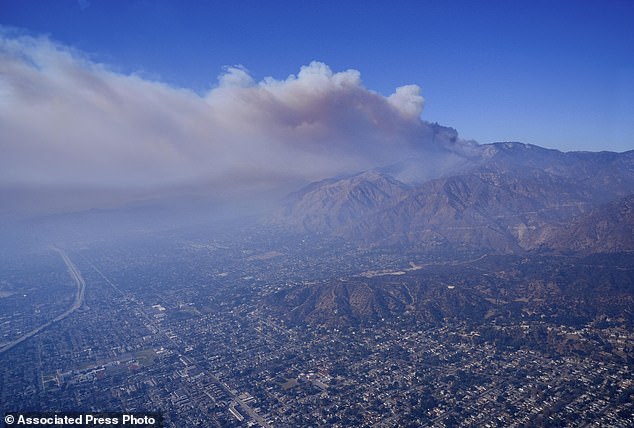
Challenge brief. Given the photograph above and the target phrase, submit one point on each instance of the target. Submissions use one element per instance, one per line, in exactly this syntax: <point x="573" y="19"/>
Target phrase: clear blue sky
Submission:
<point x="554" y="73"/>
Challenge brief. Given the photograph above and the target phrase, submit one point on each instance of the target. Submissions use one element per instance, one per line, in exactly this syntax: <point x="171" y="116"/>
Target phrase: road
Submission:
<point x="180" y="344"/>
<point x="79" y="300"/>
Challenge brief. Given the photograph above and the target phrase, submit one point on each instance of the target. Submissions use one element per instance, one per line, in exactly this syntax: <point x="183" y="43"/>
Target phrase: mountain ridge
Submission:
<point x="509" y="197"/>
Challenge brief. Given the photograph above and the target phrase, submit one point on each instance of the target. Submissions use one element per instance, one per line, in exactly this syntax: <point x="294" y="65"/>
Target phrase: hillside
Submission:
<point x="509" y="197"/>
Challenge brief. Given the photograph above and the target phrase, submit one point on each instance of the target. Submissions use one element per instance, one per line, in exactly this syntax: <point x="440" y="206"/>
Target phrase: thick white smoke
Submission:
<point x="67" y="121"/>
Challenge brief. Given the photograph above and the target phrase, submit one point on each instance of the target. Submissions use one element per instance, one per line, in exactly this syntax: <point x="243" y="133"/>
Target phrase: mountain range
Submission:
<point x="510" y="232"/>
<point x="501" y="197"/>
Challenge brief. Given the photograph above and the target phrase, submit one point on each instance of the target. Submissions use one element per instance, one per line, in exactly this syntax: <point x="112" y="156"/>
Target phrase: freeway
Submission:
<point x="77" y="302"/>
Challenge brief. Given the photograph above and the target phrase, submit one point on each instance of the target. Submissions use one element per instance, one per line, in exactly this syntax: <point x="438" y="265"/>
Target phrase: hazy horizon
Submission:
<point x="199" y="121"/>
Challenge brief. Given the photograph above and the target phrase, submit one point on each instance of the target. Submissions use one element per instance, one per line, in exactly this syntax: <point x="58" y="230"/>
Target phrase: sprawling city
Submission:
<point x="192" y="329"/>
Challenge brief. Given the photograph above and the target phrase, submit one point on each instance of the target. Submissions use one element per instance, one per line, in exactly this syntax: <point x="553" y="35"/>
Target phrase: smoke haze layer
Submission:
<point x="73" y="126"/>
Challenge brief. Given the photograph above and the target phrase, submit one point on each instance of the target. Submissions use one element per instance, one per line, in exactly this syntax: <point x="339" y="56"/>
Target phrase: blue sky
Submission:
<point x="553" y="73"/>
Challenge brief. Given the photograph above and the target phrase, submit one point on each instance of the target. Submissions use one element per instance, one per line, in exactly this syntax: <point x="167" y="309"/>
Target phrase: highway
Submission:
<point x="79" y="300"/>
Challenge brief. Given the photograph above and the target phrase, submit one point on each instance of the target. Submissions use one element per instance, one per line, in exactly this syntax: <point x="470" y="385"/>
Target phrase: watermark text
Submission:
<point x="80" y="420"/>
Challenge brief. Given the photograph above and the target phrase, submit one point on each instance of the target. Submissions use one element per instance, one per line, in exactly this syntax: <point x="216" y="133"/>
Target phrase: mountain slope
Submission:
<point x="332" y="205"/>
<point x="563" y="289"/>
<point x="609" y="228"/>
<point x="510" y="197"/>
